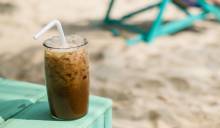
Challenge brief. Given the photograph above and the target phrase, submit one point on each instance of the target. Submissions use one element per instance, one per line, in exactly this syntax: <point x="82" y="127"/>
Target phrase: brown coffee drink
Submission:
<point x="67" y="77"/>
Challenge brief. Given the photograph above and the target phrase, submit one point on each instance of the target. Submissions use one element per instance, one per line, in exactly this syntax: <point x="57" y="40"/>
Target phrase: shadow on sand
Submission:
<point x="98" y="26"/>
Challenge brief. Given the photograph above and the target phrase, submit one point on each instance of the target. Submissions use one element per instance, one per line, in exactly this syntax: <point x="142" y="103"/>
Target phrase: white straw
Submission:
<point x="59" y="28"/>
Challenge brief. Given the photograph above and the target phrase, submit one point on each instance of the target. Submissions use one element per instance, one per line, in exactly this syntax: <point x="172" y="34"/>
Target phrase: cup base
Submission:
<point x="62" y="119"/>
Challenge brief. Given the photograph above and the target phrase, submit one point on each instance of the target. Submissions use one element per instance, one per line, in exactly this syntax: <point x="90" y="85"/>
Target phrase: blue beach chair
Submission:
<point x="158" y="28"/>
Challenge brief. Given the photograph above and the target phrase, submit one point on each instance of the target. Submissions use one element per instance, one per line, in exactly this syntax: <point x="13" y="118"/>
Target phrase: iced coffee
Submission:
<point x="67" y="77"/>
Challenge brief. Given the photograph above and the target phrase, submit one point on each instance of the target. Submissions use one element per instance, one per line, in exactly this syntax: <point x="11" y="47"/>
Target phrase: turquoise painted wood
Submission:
<point x="158" y="28"/>
<point x="38" y="116"/>
<point x="27" y="107"/>
<point x="16" y="96"/>
<point x="175" y="26"/>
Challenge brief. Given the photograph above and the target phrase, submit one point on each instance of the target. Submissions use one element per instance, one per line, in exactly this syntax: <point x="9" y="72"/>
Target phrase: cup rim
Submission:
<point x="83" y="43"/>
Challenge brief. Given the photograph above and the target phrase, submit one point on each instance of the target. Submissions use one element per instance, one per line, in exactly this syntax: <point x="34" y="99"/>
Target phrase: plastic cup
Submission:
<point x="67" y="77"/>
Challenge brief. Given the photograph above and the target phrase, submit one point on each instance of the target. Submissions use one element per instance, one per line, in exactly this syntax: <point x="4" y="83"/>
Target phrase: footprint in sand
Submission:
<point x="150" y="84"/>
<point x="179" y="84"/>
<point x="6" y="8"/>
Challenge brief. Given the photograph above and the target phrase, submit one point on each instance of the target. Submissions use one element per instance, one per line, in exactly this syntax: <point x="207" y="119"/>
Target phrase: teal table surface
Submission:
<point x="25" y="104"/>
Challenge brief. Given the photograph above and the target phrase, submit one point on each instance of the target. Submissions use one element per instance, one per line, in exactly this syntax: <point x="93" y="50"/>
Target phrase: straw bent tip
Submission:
<point x="48" y="27"/>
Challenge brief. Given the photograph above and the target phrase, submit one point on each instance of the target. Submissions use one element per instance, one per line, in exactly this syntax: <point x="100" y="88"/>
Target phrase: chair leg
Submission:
<point x="107" y="16"/>
<point x="211" y="9"/>
<point x="138" y="38"/>
<point x="214" y="10"/>
<point x="149" y="36"/>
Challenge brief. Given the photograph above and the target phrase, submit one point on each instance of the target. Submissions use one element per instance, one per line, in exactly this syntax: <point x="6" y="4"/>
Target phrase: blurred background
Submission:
<point x="174" y="82"/>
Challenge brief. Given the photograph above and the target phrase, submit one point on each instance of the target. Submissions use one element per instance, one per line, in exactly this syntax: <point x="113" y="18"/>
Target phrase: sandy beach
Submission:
<point x="174" y="82"/>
